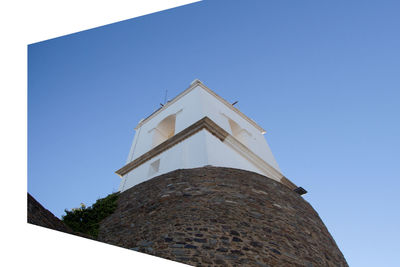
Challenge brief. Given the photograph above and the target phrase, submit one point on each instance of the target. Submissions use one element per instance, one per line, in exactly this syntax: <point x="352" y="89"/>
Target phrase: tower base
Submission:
<point x="220" y="216"/>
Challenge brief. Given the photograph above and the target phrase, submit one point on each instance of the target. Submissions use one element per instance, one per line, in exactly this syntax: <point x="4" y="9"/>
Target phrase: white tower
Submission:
<point x="195" y="129"/>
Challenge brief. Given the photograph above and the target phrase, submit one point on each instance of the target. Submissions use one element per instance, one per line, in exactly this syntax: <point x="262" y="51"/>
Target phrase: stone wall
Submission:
<point x="220" y="216"/>
<point x="40" y="216"/>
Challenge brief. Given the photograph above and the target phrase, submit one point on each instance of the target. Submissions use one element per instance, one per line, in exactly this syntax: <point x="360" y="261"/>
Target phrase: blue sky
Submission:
<point x="322" y="77"/>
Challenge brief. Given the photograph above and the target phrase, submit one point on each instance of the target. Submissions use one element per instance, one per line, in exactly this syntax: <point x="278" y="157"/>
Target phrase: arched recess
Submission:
<point x="164" y="130"/>
<point x="238" y="132"/>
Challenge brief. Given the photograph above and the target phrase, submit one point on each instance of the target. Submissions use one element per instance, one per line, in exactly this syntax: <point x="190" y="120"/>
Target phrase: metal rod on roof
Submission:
<point x="165" y="98"/>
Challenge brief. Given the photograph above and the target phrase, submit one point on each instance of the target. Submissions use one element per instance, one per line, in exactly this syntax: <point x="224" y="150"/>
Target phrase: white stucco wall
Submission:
<point x="193" y="106"/>
<point x="221" y="155"/>
<point x="199" y="150"/>
<point x="190" y="153"/>
<point x="219" y="113"/>
<point x="187" y="110"/>
<point x="202" y="148"/>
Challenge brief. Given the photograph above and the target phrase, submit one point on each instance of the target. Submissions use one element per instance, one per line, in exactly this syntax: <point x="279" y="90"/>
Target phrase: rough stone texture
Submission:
<point x="220" y="216"/>
<point x="38" y="215"/>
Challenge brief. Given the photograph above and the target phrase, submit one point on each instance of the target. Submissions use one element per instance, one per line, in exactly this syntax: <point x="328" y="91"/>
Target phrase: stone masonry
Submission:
<point x="215" y="216"/>
<point x="40" y="216"/>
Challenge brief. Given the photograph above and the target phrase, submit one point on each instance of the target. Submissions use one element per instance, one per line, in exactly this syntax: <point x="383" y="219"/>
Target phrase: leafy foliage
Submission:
<point x="86" y="219"/>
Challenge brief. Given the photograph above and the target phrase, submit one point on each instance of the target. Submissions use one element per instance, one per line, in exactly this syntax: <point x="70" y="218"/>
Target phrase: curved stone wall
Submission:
<point x="220" y="216"/>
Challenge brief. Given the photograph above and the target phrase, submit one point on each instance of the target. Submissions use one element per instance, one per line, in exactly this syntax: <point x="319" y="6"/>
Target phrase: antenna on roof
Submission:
<point x="234" y="103"/>
<point x="165" y="98"/>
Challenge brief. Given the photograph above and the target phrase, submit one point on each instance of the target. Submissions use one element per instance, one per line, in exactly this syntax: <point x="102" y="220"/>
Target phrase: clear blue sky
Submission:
<point x="322" y="77"/>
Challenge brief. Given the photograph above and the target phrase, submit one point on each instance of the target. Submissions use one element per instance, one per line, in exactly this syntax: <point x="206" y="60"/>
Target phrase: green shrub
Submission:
<point x="86" y="219"/>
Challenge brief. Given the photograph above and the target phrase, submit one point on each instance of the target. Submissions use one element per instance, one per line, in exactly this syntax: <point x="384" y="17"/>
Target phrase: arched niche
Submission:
<point x="164" y="130"/>
<point x="238" y="132"/>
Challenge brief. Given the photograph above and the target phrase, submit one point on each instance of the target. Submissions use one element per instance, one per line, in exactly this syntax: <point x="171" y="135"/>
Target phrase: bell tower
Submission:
<point x="197" y="128"/>
<point x="202" y="187"/>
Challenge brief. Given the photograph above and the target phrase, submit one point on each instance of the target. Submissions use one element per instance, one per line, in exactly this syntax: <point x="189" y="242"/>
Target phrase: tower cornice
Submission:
<point x="207" y="124"/>
<point x="204" y="123"/>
